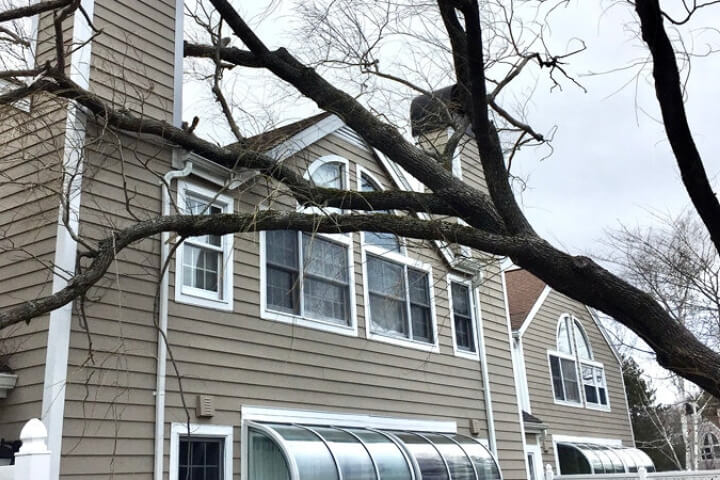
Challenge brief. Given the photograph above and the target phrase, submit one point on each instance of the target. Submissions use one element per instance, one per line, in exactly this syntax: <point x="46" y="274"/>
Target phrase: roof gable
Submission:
<point x="523" y="291"/>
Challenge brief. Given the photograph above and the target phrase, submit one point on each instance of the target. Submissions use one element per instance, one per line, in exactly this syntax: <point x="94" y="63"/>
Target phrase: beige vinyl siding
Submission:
<point x="30" y="159"/>
<point x="540" y="337"/>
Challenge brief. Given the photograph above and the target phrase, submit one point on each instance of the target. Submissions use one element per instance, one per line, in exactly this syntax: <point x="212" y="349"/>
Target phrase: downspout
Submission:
<point x="489" y="416"/>
<point x="163" y="323"/>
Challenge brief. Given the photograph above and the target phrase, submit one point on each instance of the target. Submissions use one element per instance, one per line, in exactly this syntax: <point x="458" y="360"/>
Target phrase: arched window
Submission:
<point x="710" y="447"/>
<point x="573" y="356"/>
<point x="330" y="171"/>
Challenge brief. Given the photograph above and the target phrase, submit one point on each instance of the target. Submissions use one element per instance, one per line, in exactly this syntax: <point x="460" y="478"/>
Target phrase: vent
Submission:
<point x="205" y="406"/>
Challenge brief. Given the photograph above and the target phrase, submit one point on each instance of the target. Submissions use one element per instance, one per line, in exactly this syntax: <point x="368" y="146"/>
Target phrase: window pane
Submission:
<point x="325" y="259"/>
<point x="201" y="268"/>
<point x="557" y="378"/>
<point x="387" y="241"/>
<point x="200" y="458"/>
<point x="311" y="456"/>
<point x="572" y="461"/>
<point x="326" y="301"/>
<point x="282" y="287"/>
<point x="570" y="382"/>
<point x="583" y="347"/>
<point x="421" y="324"/>
<point x="464" y="337"/>
<point x="281" y="248"/>
<point x="388" y="315"/>
<point x="354" y="461"/>
<point x="429" y="460"/>
<point x="385" y="278"/>
<point x="563" y="338"/>
<point x="419" y="291"/>
<point x="603" y="396"/>
<point x="460" y="299"/>
<point x="329" y="175"/>
<point x="591" y="394"/>
<point x="390" y="461"/>
<point x="266" y="461"/>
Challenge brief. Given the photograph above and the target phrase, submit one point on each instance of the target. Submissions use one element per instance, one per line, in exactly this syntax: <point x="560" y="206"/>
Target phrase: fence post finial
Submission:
<point x="549" y="472"/>
<point x="642" y="473"/>
<point x="32" y="462"/>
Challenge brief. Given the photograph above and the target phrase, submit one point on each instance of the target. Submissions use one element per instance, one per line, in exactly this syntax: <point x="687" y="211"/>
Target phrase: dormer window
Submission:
<point x="573" y="362"/>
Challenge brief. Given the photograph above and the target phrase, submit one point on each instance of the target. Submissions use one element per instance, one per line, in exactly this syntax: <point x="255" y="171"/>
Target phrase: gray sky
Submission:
<point x="610" y="163"/>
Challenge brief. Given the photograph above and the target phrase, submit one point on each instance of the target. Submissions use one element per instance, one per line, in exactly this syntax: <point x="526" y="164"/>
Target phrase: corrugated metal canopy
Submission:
<point x="303" y="452"/>
<point x="579" y="458"/>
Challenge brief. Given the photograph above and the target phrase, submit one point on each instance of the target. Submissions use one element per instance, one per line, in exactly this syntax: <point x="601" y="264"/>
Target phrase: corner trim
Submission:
<point x="59" y="328"/>
<point x="535" y="309"/>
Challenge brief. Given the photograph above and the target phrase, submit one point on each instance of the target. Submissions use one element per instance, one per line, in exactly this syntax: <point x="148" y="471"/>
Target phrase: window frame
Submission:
<point x="573" y="322"/>
<point x="310" y="170"/>
<point x="713" y="447"/>
<point x="300" y="319"/>
<point x="475" y="312"/>
<point x="594" y="405"/>
<point x="195" y="296"/>
<point x="565" y="402"/>
<point x="406" y="262"/>
<point x="360" y="171"/>
<point x="224" y="432"/>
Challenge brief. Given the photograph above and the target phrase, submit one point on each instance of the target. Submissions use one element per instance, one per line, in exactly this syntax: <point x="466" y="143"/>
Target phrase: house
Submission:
<point x="263" y="355"/>
<point x="569" y="381"/>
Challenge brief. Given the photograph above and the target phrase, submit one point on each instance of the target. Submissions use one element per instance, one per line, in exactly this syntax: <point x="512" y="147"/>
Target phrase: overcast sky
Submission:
<point x="610" y="163"/>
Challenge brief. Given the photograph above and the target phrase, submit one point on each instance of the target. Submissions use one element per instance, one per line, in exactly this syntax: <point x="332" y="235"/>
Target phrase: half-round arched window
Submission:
<point x="330" y="171"/>
<point x="572" y="363"/>
<point x="710" y="447"/>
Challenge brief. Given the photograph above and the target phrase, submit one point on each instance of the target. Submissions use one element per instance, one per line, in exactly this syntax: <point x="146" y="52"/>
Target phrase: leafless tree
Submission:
<point x="494" y="222"/>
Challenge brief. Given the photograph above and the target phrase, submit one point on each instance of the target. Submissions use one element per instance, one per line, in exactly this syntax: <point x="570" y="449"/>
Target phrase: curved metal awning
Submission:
<point x="584" y="458"/>
<point x="304" y="452"/>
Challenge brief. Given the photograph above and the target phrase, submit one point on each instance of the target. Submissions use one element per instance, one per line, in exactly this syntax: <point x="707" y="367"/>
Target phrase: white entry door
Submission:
<point x="533" y="457"/>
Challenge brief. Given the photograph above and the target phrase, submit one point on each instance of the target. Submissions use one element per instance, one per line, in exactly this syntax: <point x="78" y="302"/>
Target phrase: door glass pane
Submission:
<point x="531" y="466"/>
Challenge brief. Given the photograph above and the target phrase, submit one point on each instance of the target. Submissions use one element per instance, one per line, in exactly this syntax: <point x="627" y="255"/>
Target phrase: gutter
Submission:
<point x="163" y="323"/>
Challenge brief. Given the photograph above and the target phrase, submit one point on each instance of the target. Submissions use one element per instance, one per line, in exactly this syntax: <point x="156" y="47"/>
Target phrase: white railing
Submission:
<point x="641" y="474"/>
<point x="32" y="462"/>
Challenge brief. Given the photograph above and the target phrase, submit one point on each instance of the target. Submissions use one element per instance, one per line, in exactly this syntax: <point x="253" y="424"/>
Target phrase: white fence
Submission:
<point x="32" y="462"/>
<point x="642" y="474"/>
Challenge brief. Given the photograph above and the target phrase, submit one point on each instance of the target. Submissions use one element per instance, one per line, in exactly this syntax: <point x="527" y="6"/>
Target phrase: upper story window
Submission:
<point x="203" y="270"/>
<point x="399" y="299"/>
<point x="463" y="318"/>
<point x="307" y="278"/>
<point x="572" y="363"/>
<point x="710" y="447"/>
<point x="387" y="242"/>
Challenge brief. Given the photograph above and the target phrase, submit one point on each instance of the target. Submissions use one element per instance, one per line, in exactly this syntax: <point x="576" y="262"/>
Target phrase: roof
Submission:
<point x="532" y="423"/>
<point x="523" y="290"/>
<point x="530" y="418"/>
<point x="272" y="138"/>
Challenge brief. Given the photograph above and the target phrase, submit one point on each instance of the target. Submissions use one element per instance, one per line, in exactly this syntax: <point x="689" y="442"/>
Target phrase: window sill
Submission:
<point x="189" y="299"/>
<point x="568" y="404"/>
<point x="404" y="342"/>
<point x="469" y="355"/>
<point x="602" y="408"/>
<point x="297" y="320"/>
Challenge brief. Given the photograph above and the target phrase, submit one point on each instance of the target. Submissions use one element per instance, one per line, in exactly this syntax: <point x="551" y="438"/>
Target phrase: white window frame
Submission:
<point x="591" y="405"/>
<point x="573" y="322"/>
<point x="301" y="320"/>
<point x="581" y="396"/>
<point x="407" y="262"/>
<point x="474" y="313"/>
<point x="317" y="163"/>
<point x="201" y="430"/>
<point x="196" y="296"/>
<point x="360" y="171"/>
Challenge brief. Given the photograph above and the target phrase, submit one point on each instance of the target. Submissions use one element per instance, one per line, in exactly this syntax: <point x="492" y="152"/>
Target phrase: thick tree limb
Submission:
<point x="221" y="224"/>
<point x="669" y="94"/>
<point x="34" y="9"/>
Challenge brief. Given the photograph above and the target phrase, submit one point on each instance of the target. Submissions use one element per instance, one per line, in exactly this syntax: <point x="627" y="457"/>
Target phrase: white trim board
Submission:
<point x="56" y="362"/>
<point x="535" y="309"/>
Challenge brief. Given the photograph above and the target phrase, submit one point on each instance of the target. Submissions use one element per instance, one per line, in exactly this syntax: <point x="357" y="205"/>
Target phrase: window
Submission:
<point x="307" y="276"/>
<point x="387" y="242"/>
<point x="594" y="384"/>
<point x="330" y="171"/>
<point x="463" y="323"/>
<point x="573" y="352"/>
<point x="203" y="271"/>
<point x="200" y="458"/>
<point x="204" y="452"/>
<point x="399" y="301"/>
<point x="710" y="447"/>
